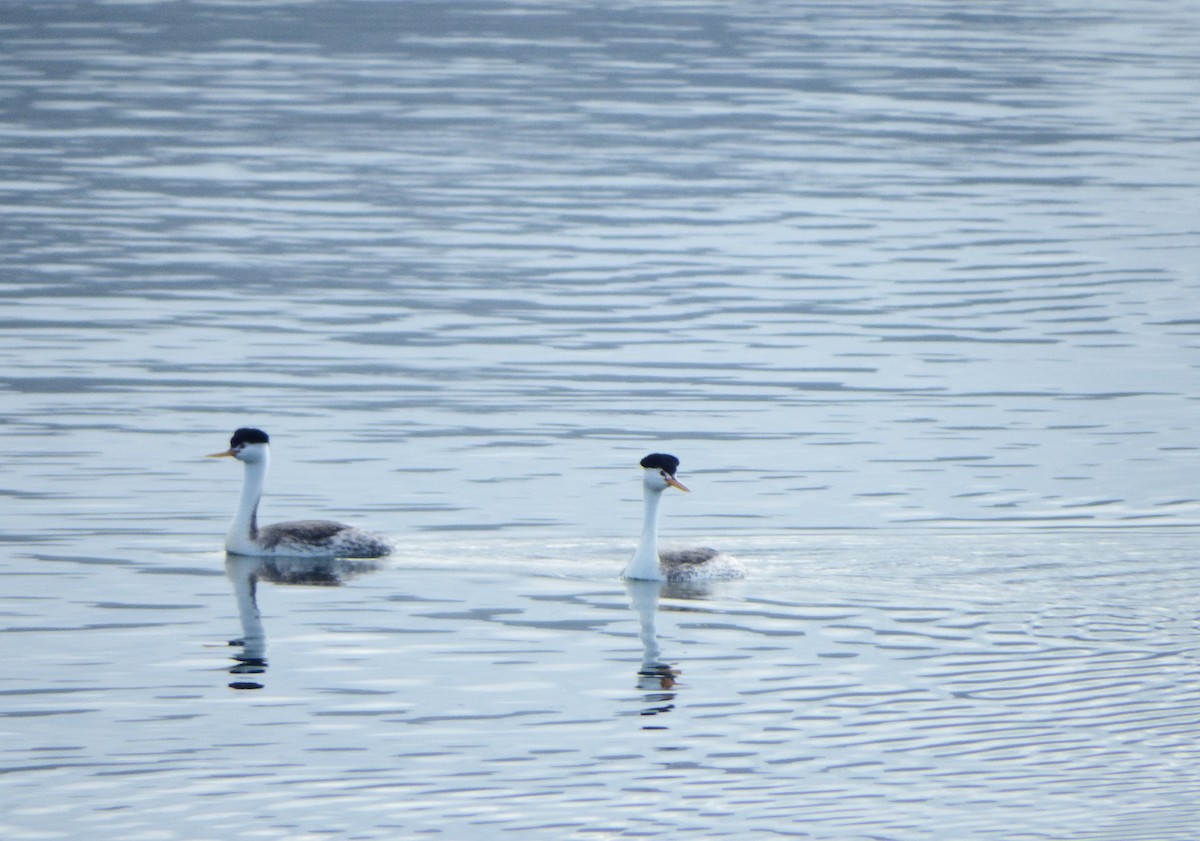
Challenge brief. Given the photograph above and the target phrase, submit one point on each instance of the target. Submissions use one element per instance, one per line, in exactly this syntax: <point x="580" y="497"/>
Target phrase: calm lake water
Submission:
<point x="910" y="288"/>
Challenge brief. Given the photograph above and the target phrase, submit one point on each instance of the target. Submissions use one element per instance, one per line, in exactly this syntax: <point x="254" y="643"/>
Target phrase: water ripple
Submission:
<point x="907" y="289"/>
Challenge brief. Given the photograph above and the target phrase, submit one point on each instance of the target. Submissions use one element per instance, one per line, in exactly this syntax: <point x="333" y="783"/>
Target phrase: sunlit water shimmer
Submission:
<point x="909" y="288"/>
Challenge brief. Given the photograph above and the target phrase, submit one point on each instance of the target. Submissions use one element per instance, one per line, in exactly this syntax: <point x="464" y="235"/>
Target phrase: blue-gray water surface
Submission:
<point x="910" y="288"/>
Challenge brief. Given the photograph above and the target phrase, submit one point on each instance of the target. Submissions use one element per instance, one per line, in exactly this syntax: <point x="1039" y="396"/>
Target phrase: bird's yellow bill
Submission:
<point x="675" y="483"/>
<point x="220" y="455"/>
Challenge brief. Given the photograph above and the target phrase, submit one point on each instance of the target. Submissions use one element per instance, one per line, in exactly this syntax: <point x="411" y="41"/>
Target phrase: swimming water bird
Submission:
<point x="648" y="564"/>
<point x="295" y="539"/>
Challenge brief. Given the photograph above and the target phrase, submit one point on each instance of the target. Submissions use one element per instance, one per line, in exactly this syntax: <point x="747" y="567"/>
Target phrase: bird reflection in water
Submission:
<point x="655" y="678"/>
<point x="244" y="572"/>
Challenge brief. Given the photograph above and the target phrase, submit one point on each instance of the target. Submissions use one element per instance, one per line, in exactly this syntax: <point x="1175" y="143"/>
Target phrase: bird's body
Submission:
<point x="648" y="563"/>
<point x="684" y="559"/>
<point x="295" y="539"/>
<point x="311" y="539"/>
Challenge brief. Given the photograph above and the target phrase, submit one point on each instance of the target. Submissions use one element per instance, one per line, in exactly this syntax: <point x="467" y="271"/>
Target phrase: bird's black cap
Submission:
<point x="248" y="435"/>
<point x="661" y="461"/>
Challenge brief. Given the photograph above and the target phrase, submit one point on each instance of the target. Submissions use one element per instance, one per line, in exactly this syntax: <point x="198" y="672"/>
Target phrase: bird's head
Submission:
<point x="247" y="444"/>
<point x="659" y="472"/>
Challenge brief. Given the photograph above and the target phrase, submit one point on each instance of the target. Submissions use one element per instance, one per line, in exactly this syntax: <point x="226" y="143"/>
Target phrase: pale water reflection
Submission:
<point x="244" y="573"/>
<point x="656" y="678"/>
<point x="911" y="288"/>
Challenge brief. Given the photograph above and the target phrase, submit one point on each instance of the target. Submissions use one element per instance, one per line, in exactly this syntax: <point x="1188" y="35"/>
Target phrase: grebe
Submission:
<point x="296" y="539"/>
<point x="648" y="564"/>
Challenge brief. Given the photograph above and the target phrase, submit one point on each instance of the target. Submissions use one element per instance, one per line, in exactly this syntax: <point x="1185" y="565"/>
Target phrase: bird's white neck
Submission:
<point x="644" y="565"/>
<point x="244" y="528"/>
